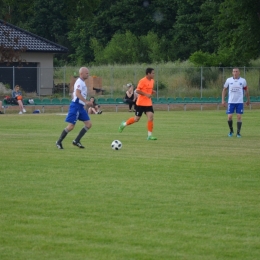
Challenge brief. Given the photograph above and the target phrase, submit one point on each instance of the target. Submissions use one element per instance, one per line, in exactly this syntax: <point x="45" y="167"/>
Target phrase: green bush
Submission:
<point x="7" y="86"/>
<point x="127" y="48"/>
<point x="162" y="85"/>
<point x="193" y="77"/>
<point x="205" y="59"/>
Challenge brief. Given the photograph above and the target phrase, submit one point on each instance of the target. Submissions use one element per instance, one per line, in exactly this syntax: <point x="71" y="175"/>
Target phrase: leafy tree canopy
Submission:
<point x="223" y="32"/>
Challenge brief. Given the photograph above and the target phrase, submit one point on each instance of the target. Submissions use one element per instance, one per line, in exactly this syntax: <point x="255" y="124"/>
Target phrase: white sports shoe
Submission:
<point x="20" y="113"/>
<point x="24" y="110"/>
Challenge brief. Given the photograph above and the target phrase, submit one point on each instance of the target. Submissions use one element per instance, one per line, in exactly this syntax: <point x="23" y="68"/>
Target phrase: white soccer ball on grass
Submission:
<point x="116" y="145"/>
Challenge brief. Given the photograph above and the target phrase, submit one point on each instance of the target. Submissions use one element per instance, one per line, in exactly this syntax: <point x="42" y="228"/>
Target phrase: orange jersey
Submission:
<point x="145" y="85"/>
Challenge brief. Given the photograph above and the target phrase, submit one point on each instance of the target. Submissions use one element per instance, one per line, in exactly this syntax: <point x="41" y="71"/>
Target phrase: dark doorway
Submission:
<point x="24" y="75"/>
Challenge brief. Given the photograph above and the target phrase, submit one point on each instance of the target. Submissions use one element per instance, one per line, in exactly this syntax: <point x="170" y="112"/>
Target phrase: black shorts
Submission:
<point x="139" y="110"/>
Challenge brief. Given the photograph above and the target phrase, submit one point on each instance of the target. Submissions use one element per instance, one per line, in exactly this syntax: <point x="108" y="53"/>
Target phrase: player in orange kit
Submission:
<point x="144" y="103"/>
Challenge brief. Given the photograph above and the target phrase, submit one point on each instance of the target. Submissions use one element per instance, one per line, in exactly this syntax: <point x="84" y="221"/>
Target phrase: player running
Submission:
<point x="144" y="103"/>
<point x="77" y="111"/>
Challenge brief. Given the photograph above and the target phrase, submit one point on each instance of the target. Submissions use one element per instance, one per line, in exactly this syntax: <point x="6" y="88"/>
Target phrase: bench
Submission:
<point x="200" y="101"/>
<point x="117" y="102"/>
<point x="111" y="101"/>
<point x="42" y="103"/>
<point x="176" y="101"/>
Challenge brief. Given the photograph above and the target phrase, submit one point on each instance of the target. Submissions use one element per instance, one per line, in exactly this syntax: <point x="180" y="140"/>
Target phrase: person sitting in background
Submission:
<point x="1" y="106"/>
<point x="95" y="108"/>
<point x="130" y="96"/>
<point x="17" y="94"/>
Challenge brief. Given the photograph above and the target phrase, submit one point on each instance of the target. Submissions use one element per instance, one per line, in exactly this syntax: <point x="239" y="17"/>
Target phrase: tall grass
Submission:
<point x="181" y="79"/>
<point x="192" y="194"/>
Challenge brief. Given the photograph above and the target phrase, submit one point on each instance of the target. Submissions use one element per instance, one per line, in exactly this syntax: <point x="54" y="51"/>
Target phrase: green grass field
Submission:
<point x="192" y="194"/>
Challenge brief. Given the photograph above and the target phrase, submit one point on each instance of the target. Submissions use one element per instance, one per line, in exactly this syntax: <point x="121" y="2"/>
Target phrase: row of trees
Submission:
<point x="208" y="32"/>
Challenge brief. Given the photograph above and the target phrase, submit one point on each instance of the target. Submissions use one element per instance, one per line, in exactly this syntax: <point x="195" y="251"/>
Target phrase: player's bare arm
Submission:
<point x="139" y="92"/>
<point x="247" y="96"/>
<point x="223" y="96"/>
<point x="79" y="96"/>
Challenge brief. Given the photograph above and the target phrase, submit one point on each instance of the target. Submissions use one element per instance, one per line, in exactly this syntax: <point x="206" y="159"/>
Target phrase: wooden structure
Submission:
<point x="93" y="83"/>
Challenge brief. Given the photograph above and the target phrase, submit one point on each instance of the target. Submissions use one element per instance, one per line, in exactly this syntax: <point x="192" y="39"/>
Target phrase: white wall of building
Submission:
<point x="44" y="71"/>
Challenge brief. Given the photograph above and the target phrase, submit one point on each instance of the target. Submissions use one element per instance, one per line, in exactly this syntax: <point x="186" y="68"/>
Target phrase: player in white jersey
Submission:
<point x="77" y="111"/>
<point x="236" y="88"/>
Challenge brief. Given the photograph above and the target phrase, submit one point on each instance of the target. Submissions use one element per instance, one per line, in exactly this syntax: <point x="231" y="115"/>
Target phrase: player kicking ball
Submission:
<point x="144" y="103"/>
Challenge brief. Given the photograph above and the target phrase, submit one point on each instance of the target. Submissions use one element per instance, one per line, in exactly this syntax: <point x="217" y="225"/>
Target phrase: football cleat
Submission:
<point x="59" y="145"/>
<point x="78" y="144"/>
<point x="151" y="138"/>
<point x="121" y="127"/>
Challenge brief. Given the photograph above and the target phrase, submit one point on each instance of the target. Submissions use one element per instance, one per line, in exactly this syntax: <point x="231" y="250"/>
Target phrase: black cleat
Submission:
<point x="78" y="144"/>
<point x="59" y="145"/>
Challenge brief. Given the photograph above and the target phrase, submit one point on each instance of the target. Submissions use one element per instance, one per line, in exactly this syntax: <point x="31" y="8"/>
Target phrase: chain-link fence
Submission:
<point x="110" y="81"/>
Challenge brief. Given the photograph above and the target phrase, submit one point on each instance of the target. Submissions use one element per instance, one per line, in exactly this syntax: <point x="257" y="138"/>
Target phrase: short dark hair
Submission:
<point x="149" y="71"/>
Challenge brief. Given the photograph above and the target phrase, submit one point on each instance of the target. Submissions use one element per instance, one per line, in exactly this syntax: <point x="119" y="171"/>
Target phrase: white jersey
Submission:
<point x="79" y="84"/>
<point x="236" y="89"/>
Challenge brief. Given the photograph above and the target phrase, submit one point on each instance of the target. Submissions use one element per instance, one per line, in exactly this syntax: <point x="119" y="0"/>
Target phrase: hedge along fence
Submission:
<point x="171" y="80"/>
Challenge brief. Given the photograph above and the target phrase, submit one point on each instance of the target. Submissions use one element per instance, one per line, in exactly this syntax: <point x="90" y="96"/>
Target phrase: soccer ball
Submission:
<point x="116" y="145"/>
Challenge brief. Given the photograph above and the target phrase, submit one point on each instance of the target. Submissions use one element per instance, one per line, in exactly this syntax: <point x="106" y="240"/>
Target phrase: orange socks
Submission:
<point x="130" y="121"/>
<point x="150" y="126"/>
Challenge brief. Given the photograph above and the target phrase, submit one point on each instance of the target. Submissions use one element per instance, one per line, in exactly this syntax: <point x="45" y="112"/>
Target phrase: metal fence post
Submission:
<point x="64" y="78"/>
<point x="157" y="79"/>
<point x="135" y="79"/>
<point x="223" y="75"/>
<point x="201" y="81"/>
<point x="13" y="77"/>
<point x="111" y="81"/>
<point x="40" y="73"/>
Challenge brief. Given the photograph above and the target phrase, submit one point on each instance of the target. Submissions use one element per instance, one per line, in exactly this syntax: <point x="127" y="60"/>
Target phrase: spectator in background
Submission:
<point x="130" y="96"/>
<point x="17" y="94"/>
<point x="1" y="106"/>
<point x="93" y="108"/>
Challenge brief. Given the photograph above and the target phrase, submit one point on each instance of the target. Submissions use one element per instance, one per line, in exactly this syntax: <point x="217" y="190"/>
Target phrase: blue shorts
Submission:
<point x="76" y="112"/>
<point x="238" y="107"/>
